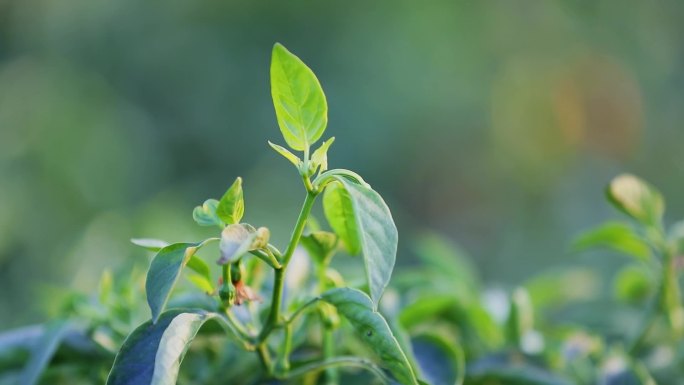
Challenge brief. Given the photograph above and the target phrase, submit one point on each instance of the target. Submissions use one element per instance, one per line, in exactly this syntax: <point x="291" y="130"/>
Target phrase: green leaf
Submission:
<point x="676" y="237"/>
<point x="205" y="215"/>
<point x="42" y="352"/>
<point x="231" y="207"/>
<point x="200" y="267"/>
<point x="320" y="245"/>
<point x="636" y="198"/>
<point x="511" y="374"/>
<point x="442" y="362"/>
<point x="339" y="212"/>
<point x="152" y="354"/>
<point x="370" y="227"/>
<point x="320" y="156"/>
<point x="616" y="236"/>
<point x="201" y="282"/>
<point x="164" y="271"/>
<point x="449" y="260"/>
<point x="300" y="105"/>
<point x="357" y="307"/>
<point x="520" y="317"/>
<point x="149" y="244"/>
<point x="236" y="241"/>
<point x="633" y="284"/>
<point x="287" y="154"/>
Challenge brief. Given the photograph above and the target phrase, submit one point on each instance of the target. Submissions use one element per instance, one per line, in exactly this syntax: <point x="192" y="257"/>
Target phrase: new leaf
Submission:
<point x="300" y="105"/>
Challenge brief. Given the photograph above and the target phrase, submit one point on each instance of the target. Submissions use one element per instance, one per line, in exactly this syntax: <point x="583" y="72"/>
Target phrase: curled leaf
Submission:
<point x="231" y="207"/>
<point x="205" y="215"/>
<point x="636" y="198"/>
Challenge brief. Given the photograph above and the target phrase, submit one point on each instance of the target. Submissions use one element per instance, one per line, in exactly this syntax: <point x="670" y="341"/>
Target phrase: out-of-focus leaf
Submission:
<point x="164" y="272"/>
<point x="424" y="309"/>
<point x="560" y="286"/>
<point x="676" y="237"/>
<point x="201" y="282"/>
<point x="447" y="259"/>
<point x="616" y="236"/>
<point x="152" y="354"/>
<point x="486" y="372"/>
<point x="205" y="215"/>
<point x="620" y="370"/>
<point x="636" y="198"/>
<point x="299" y="101"/>
<point x="150" y="244"/>
<point x="442" y="362"/>
<point x="42" y="352"/>
<point x="633" y="283"/>
<point x="320" y="245"/>
<point x="231" y="207"/>
<point x="520" y="317"/>
<point x="357" y="307"/>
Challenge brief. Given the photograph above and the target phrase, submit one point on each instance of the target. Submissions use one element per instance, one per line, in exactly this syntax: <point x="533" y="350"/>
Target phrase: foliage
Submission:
<point x="256" y="317"/>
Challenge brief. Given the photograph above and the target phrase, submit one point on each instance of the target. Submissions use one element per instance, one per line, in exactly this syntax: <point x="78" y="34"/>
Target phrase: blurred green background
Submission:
<point x="496" y="123"/>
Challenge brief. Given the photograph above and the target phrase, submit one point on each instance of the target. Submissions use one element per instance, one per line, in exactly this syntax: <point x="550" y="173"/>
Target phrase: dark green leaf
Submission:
<point x="616" y="236"/>
<point x="42" y="352"/>
<point x="231" y="207"/>
<point x="441" y="361"/>
<point x="300" y="105"/>
<point x="636" y="198"/>
<point x="375" y="231"/>
<point x="205" y="215"/>
<point x="164" y="271"/>
<point x="357" y="307"/>
<point x="152" y="354"/>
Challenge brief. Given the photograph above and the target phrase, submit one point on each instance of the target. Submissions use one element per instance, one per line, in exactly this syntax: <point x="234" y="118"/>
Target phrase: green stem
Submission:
<point x="332" y="376"/>
<point x="299" y="227"/>
<point x="338" y="362"/>
<point x="265" y="358"/>
<point x="276" y="300"/>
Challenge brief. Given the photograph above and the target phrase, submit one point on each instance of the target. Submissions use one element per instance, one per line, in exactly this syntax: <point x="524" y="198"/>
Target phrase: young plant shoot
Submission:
<point x="361" y="223"/>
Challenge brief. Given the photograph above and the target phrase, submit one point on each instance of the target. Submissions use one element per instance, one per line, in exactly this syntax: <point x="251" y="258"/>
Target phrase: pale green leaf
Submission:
<point x="320" y="156"/>
<point x="231" y="207"/>
<point x="339" y="212"/>
<point x="636" y="198"/>
<point x="149" y="243"/>
<point x="372" y="328"/>
<point x="286" y="153"/>
<point x="300" y="105"/>
<point x="152" y="354"/>
<point x="616" y="236"/>
<point x="236" y="241"/>
<point x="201" y="282"/>
<point x="200" y="267"/>
<point x="205" y="215"/>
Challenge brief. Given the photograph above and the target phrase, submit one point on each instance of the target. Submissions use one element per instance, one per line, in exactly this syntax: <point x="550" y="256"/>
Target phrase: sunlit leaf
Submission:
<point x="205" y="215"/>
<point x="287" y="154"/>
<point x="300" y="105"/>
<point x="372" y="328"/>
<point x="633" y="283"/>
<point x="152" y="354"/>
<point x="339" y="212"/>
<point x="319" y="159"/>
<point x="372" y="225"/>
<point x="616" y="236"/>
<point x="636" y="198"/>
<point x="231" y="207"/>
<point x="149" y="244"/>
